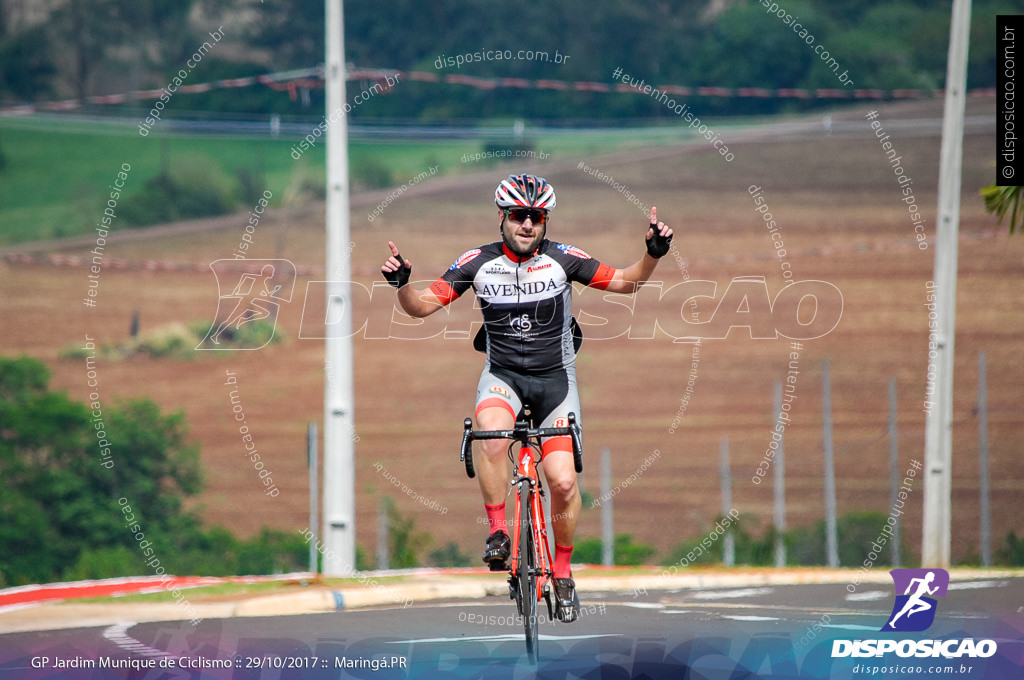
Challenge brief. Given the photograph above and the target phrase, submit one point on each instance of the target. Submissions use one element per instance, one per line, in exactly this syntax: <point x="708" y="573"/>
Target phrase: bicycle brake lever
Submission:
<point x="467" y="435"/>
<point x="577" y="445"/>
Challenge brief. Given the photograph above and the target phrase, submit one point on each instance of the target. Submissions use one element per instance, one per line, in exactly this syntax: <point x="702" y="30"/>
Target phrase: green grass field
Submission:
<point x="57" y="174"/>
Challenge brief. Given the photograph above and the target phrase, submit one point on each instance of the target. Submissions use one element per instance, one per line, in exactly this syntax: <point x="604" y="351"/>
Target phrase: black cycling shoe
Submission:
<point x="498" y="548"/>
<point x="567" y="602"/>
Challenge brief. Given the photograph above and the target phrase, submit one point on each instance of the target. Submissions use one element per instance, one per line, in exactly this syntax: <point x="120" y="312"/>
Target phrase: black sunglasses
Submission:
<point x="520" y="215"/>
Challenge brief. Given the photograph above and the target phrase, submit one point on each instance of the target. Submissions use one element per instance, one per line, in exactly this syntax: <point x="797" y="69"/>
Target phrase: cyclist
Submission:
<point x="524" y="282"/>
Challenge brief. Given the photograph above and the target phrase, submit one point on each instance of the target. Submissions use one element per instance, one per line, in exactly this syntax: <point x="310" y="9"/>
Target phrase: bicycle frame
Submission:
<point x="526" y="473"/>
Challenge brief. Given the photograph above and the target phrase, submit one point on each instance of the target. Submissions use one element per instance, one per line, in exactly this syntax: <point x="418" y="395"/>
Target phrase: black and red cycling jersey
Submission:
<point x="526" y="301"/>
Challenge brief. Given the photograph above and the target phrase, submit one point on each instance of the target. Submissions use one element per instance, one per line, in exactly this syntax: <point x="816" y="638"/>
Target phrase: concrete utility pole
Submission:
<point x="831" y="540"/>
<point x="894" y="470"/>
<point x="607" y="518"/>
<point x="313" y="458"/>
<point x="729" y="542"/>
<point x="938" y="435"/>
<point x="339" y="532"/>
<point x="983" y="491"/>
<point x="779" y="519"/>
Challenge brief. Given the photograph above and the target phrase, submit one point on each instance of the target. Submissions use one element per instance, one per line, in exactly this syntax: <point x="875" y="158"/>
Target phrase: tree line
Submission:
<point x="66" y="484"/>
<point x="86" y="47"/>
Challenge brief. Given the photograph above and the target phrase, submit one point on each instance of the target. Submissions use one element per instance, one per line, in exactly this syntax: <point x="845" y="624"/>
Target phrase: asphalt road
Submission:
<point x="770" y="632"/>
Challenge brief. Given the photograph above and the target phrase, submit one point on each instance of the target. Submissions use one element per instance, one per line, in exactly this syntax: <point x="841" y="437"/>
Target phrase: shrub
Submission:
<point x="179" y="341"/>
<point x="1011" y="553"/>
<point x="624" y="551"/>
<point x="193" y="188"/>
<point x="805" y="545"/>
<point x="94" y="563"/>
<point x="449" y="555"/>
<point x="371" y="173"/>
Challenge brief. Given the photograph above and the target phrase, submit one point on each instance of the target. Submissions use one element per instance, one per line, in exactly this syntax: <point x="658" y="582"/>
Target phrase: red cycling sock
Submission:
<point x="561" y="568"/>
<point x="495" y="516"/>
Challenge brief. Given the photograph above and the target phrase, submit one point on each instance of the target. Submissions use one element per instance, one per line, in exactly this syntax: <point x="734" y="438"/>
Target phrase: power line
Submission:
<point x="312" y="78"/>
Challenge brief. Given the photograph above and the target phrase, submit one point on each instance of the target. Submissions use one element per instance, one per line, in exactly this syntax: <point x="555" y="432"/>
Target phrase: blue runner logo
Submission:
<point x="914" y="610"/>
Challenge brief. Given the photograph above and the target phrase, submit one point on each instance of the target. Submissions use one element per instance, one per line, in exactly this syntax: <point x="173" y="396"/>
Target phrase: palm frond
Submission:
<point x="1002" y="200"/>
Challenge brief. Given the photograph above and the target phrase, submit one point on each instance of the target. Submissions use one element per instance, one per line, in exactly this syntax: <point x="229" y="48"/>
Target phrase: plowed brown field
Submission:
<point x="836" y="202"/>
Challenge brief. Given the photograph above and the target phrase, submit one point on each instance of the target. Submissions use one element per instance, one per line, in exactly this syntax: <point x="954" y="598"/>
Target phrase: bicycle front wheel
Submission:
<point x="527" y="575"/>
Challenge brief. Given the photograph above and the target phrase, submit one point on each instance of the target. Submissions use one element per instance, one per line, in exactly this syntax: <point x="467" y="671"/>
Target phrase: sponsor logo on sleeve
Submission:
<point x="574" y="251"/>
<point x="464" y="258"/>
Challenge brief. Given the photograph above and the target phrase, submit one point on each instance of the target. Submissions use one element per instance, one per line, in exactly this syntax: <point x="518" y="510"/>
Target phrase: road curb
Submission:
<point x="429" y="585"/>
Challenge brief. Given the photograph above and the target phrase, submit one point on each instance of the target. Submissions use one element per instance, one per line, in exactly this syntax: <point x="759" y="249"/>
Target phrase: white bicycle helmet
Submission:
<point x="525" y="191"/>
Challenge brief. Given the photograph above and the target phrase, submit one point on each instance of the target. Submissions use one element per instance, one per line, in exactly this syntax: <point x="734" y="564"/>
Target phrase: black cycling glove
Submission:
<point x="401" y="277"/>
<point x="657" y="245"/>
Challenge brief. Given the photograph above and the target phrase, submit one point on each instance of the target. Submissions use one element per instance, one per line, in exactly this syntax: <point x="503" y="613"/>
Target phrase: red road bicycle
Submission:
<point x="530" y="574"/>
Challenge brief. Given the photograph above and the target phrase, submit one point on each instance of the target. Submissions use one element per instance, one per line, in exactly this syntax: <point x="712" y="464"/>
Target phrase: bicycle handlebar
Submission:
<point x="521" y="433"/>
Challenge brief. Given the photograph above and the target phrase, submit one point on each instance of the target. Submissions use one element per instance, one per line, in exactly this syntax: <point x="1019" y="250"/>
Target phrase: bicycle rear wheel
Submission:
<point x="527" y="577"/>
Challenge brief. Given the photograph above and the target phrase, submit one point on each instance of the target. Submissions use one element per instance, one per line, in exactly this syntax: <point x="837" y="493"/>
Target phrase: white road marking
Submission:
<point x="731" y="594"/>
<point x="868" y="596"/>
<point x="976" y="585"/>
<point x="750" y="618"/>
<point x="118" y="634"/>
<point x="504" y="638"/>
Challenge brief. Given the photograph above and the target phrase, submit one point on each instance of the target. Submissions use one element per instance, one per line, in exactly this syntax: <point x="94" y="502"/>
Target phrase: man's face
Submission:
<point x="522" y="238"/>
